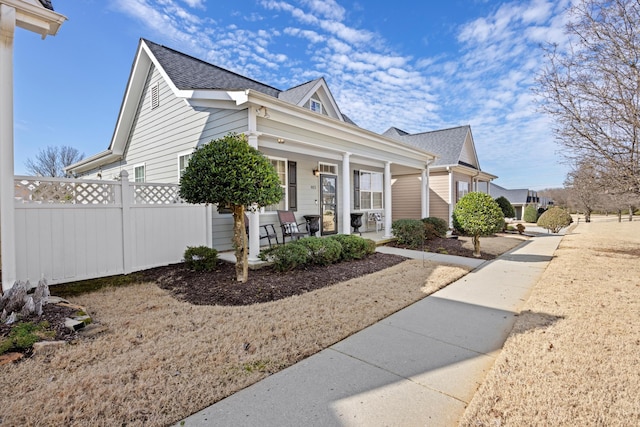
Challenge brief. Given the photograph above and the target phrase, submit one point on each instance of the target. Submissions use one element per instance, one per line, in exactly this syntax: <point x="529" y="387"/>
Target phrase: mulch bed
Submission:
<point x="446" y="246"/>
<point x="219" y="287"/>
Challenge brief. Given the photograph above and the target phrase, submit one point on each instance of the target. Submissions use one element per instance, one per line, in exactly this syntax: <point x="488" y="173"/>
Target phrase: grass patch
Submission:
<point x="73" y="289"/>
<point x="24" y="334"/>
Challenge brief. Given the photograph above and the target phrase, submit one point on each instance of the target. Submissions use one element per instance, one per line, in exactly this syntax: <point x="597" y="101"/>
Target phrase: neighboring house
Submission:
<point x="454" y="173"/>
<point x="519" y="198"/>
<point x="328" y="166"/>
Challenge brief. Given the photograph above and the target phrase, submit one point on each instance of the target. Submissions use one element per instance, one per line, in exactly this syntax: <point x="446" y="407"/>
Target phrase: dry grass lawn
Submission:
<point x="162" y="360"/>
<point x="573" y="358"/>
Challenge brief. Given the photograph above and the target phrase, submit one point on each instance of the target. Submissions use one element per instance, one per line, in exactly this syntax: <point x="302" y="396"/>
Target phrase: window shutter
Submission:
<point x="293" y="186"/>
<point x="356" y="189"/>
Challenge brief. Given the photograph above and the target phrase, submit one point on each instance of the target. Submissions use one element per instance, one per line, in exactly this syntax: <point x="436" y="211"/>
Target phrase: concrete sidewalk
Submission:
<point x="419" y="367"/>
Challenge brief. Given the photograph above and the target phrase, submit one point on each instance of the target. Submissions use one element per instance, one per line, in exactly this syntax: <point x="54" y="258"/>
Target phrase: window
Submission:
<point x="463" y="189"/>
<point x="280" y="165"/>
<point x="183" y="161"/>
<point x="328" y="168"/>
<point x="138" y="173"/>
<point x="155" y="96"/>
<point x="371" y="185"/>
<point x="315" y="106"/>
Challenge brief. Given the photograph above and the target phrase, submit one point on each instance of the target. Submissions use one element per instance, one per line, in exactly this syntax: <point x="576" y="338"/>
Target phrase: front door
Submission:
<point x="329" y="204"/>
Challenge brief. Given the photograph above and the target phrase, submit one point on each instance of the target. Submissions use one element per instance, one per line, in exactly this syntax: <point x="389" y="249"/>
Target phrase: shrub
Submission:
<point x="430" y="231"/>
<point x="506" y="207"/>
<point x="478" y="215"/>
<point x="555" y="219"/>
<point x="409" y="232"/>
<point x="520" y="228"/>
<point x="321" y="251"/>
<point x="371" y="246"/>
<point x="530" y="214"/>
<point x="200" y="258"/>
<point x="286" y="257"/>
<point x="439" y="225"/>
<point x="353" y="247"/>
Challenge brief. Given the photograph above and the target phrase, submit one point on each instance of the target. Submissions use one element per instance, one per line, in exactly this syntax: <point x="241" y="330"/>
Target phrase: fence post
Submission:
<point x="127" y="240"/>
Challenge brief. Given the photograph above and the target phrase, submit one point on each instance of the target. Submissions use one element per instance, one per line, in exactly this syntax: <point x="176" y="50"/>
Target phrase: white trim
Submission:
<point x="313" y="102"/>
<point x="144" y="169"/>
<point x="332" y="165"/>
<point x="284" y="185"/>
<point x="182" y="154"/>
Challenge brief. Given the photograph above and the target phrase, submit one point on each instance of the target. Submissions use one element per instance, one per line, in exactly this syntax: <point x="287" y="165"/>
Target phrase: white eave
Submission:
<point x="32" y="16"/>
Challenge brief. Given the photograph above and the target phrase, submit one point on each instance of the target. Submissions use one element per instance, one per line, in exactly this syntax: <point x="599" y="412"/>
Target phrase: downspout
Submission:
<point x="451" y="196"/>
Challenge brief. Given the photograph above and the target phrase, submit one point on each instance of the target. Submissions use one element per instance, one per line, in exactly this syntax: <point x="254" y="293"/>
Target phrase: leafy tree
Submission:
<point x="530" y="214"/>
<point x="591" y="88"/>
<point x="229" y="172"/>
<point x="478" y="215"/>
<point x="51" y="161"/>
<point x="554" y="219"/>
<point x="506" y="207"/>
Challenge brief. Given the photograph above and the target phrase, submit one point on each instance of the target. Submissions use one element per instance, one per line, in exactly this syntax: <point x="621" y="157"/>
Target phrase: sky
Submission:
<point x="418" y="66"/>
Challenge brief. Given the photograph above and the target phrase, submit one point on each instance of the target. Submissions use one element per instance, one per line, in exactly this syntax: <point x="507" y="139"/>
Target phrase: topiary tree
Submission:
<point x="530" y="214"/>
<point x="555" y="219"/>
<point x="506" y="207"/>
<point x="478" y="215"/>
<point x="229" y="172"/>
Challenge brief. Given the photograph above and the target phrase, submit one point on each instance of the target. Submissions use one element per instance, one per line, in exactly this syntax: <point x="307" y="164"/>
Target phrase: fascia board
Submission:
<point x="93" y="162"/>
<point x="36" y="18"/>
<point x="322" y="84"/>
<point x="336" y="128"/>
<point x="131" y="100"/>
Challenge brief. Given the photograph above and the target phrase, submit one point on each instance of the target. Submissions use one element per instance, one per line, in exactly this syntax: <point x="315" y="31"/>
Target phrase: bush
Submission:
<point x="555" y="219"/>
<point x="530" y="214"/>
<point x="321" y="251"/>
<point x="353" y="247"/>
<point x="410" y="232"/>
<point x="286" y="257"/>
<point x="520" y="228"/>
<point x="506" y="207"/>
<point x="478" y="215"/>
<point x="200" y="258"/>
<point x="440" y="226"/>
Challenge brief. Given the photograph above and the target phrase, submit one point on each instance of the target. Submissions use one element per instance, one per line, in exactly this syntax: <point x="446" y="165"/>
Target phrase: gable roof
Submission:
<point x="188" y="73"/>
<point x="515" y="197"/>
<point x="448" y="144"/>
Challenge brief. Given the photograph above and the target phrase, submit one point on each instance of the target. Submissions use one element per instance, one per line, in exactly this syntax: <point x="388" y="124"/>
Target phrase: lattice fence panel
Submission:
<point x="38" y="190"/>
<point x="156" y="194"/>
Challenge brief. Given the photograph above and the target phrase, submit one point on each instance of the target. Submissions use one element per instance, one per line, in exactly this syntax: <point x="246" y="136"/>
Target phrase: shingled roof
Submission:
<point x="189" y="73"/>
<point x="46" y="4"/>
<point x="447" y="143"/>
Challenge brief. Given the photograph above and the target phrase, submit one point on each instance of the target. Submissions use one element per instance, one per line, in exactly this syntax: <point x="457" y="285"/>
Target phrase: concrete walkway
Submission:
<point x="419" y="367"/>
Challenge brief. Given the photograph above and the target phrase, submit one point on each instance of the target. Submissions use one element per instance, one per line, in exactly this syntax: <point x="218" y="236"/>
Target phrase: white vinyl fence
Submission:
<point x="71" y="229"/>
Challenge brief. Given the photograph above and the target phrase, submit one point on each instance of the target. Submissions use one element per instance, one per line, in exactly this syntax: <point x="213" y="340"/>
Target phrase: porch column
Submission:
<point x="7" y="212"/>
<point x="387" y="200"/>
<point x="254" y="234"/>
<point x="346" y="194"/>
<point x="424" y="193"/>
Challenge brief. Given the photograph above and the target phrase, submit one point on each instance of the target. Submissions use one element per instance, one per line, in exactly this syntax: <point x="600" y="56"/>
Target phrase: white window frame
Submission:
<point x="315" y="105"/>
<point x="180" y="156"/>
<point x="144" y="172"/>
<point x="284" y="185"/>
<point x="461" y="193"/>
<point x="328" y="168"/>
<point x="371" y="191"/>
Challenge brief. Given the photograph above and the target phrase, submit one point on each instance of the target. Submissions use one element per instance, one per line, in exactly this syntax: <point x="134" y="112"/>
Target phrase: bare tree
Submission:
<point x="591" y="88"/>
<point x="51" y="161"/>
<point x="585" y="188"/>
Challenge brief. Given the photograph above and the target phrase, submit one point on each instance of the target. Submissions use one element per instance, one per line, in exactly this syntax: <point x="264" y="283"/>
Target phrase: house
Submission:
<point x="519" y="198"/>
<point x="328" y="166"/>
<point x="453" y="174"/>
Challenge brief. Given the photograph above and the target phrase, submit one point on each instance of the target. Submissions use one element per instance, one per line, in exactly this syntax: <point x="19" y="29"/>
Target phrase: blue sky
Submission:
<point x="418" y="66"/>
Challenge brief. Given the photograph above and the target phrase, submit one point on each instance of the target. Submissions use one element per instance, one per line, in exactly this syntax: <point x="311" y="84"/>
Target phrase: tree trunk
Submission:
<point x="476" y="246"/>
<point x="619" y="215"/>
<point x="240" y="244"/>
<point x="630" y="213"/>
<point x="587" y="215"/>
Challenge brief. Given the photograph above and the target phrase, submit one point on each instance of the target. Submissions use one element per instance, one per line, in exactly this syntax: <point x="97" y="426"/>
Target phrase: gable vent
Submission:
<point x="155" y="96"/>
